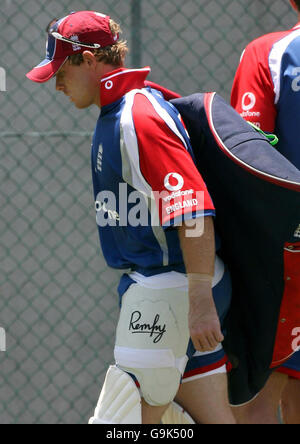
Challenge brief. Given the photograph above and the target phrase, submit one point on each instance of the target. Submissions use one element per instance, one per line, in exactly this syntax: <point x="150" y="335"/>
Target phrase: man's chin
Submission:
<point x="79" y="105"/>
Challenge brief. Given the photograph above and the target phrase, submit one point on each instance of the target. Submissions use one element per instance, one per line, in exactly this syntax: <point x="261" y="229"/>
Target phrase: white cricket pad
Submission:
<point x="119" y="401"/>
<point x="151" y="340"/>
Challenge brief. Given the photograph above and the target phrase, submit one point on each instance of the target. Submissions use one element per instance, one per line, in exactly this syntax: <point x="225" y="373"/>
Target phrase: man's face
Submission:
<point x="79" y="83"/>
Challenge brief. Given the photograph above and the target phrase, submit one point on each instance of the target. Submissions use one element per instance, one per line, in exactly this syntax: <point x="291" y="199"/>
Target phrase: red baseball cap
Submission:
<point x="70" y="35"/>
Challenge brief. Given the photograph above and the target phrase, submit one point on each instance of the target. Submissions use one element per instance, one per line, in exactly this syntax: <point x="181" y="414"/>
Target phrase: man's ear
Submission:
<point x="89" y="58"/>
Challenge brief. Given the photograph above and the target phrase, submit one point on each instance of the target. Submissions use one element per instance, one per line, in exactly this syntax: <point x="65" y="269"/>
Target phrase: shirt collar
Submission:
<point x="116" y="84"/>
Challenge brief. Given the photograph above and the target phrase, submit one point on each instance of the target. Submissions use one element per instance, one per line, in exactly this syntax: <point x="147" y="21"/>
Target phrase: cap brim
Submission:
<point x="45" y="70"/>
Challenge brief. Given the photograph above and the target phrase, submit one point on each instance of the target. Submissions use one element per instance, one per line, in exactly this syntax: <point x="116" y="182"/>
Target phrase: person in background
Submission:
<point x="266" y="92"/>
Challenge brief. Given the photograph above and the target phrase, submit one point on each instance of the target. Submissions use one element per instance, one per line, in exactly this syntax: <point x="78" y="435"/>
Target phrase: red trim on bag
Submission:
<point x="208" y="100"/>
<point x="289" y="316"/>
<point x="229" y="366"/>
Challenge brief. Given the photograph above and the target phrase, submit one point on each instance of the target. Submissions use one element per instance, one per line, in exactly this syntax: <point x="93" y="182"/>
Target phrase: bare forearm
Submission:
<point x="199" y="258"/>
<point x="198" y="252"/>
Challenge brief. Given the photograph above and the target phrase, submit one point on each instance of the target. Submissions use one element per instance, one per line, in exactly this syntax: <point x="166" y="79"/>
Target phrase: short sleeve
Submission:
<point x="162" y="160"/>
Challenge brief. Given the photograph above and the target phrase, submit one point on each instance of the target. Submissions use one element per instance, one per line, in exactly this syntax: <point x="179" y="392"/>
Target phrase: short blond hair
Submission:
<point x="111" y="55"/>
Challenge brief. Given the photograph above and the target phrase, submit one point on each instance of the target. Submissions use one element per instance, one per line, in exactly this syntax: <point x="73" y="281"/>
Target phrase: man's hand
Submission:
<point x="204" y="324"/>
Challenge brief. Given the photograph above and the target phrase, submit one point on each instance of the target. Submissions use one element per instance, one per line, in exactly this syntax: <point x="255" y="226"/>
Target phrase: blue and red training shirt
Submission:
<point x="144" y="176"/>
<point x="266" y="88"/>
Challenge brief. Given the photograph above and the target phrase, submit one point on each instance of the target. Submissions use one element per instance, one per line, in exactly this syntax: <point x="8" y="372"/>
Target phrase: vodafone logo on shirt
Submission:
<point x="248" y="101"/>
<point x="173" y="182"/>
<point x="183" y="201"/>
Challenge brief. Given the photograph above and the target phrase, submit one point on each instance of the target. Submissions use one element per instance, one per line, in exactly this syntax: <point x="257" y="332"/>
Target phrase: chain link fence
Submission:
<point x="58" y="299"/>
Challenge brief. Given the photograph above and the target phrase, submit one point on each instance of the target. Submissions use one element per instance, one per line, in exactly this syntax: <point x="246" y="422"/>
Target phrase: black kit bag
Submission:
<point x="256" y="193"/>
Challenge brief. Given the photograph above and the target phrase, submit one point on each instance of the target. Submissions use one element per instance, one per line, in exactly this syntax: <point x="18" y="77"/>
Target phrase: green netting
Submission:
<point x="58" y="300"/>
